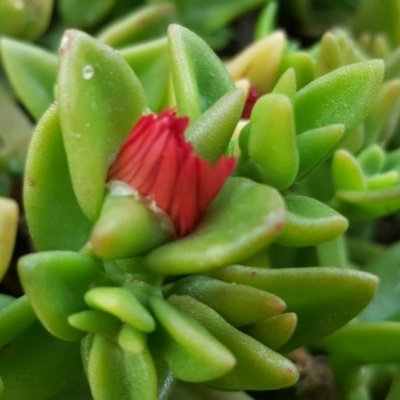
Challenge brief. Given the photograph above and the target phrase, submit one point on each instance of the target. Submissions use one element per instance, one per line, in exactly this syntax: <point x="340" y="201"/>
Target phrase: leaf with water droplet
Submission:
<point x="100" y="99"/>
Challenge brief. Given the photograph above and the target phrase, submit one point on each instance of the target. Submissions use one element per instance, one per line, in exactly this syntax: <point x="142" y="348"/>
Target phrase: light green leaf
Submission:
<point x="199" y="77"/>
<point x="309" y="222"/>
<point x="100" y="99"/>
<point x="32" y="72"/>
<point x="242" y="220"/>
<point x="55" y="220"/>
<point x="328" y="99"/>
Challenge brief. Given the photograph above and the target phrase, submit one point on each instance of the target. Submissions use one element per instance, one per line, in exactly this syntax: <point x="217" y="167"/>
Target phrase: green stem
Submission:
<point x="333" y="253"/>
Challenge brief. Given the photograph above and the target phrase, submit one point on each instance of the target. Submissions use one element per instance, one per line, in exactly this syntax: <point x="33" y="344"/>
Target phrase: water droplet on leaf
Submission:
<point x="87" y="72"/>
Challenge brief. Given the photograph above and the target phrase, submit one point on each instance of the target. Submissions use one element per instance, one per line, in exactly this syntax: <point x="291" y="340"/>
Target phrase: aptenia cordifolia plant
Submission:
<point x="197" y="224"/>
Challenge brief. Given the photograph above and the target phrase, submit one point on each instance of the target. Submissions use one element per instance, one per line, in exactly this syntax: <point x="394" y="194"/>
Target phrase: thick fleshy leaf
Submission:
<point x="238" y="304"/>
<point x="32" y="72"/>
<point x="140" y="25"/>
<point x="15" y="318"/>
<point x="309" y="222"/>
<point x="287" y="84"/>
<point x="271" y="143"/>
<point x="132" y="340"/>
<point x="273" y="332"/>
<point x="368" y="203"/>
<point x="192" y="353"/>
<point x="242" y="220"/>
<point x="117" y="374"/>
<point x="386" y="104"/>
<point x="37" y="16"/>
<point x="54" y="217"/>
<point x="94" y="321"/>
<point x="370" y="342"/>
<point x="327" y="297"/>
<point x="211" y="132"/>
<point x="346" y="172"/>
<point x="44" y="364"/>
<point x="257" y="367"/>
<point x="126" y="228"/>
<point x="150" y="62"/>
<point x="121" y="303"/>
<point x="266" y="22"/>
<point x="9" y="216"/>
<point x="329" y="56"/>
<point x="15" y="134"/>
<point x="371" y="159"/>
<point x="100" y="99"/>
<point x="55" y="283"/>
<point x="208" y="16"/>
<point x="303" y="65"/>
<point x="12" y="19"/>
<point x="385" y="304"/>
<point x="326" y="100"/>
<point x="316" y="145"/>
<point x="259" y="62"/>
<point x="199" y="77"/>
<point x="84" y="14"/>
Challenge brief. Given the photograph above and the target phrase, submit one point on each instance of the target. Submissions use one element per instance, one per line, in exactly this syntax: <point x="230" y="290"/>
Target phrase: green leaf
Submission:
<point x="385" y="105"/>
<point x="309" y="222"/>
<point x="257" y="367"/>
<point x="36" y="365"/>
<point x="329" y="56"/>
<point x="117" y="374"/>
<point x="9" y="217"/>
<point x="208" y="15"/>
<point x="371" y="159"/>
<point x="54" y="217"/>
<point x="385" y="304"/>
<point x="100" y="99"/>
<point x="193" y="354"/>
<point x="368" y="203"/>
<point x="316" y="145"/>
<point x="32" y="72"/>
<point x="15" y="318"/>
<point x="12" y="18"/>
<point x="271" y="142"/>
<point x="259" y="62"/>
<point x="199" y="77"/>
<point x="94" y="321"/>
<point x="326" y="298"/>
<point x="140" y="25"/>
<point x="266" y="22"/>
<point x="242" y="220"/>
<point x="150" y="62"/>
<point x="126" y="228"/>
<point x="239" y="305"/>
<point x="273" y="332"/>
<point x="122" y="304"/>
<point x="372" y="342"/>
<point x="287" y="84"/>
<point x="211" y="132"/>
<point x="303" y="65"/>
<point x="329" y="99"/>
<point x="346" y="172"/>
<point x="37" y="16"/>
<point x="55" y="283"/>
<point x="132" y="340"/>
<point x="84" y="14"/>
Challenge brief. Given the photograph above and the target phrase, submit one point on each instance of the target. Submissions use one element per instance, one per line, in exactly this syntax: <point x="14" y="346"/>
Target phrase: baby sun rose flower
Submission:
<point x="162" y="167"/>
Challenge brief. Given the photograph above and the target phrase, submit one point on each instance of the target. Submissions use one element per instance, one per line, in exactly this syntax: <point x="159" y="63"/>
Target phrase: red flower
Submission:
<point x="157" y="162"/>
